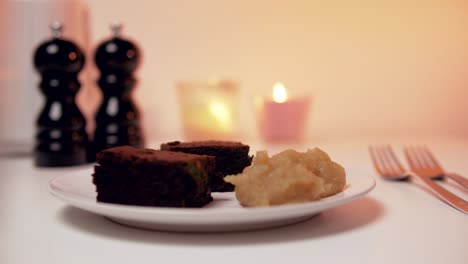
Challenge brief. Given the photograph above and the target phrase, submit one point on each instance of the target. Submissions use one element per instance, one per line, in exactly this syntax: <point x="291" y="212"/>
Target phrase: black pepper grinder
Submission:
<point x="61" y="139"/>
<point x="117" y="119"/>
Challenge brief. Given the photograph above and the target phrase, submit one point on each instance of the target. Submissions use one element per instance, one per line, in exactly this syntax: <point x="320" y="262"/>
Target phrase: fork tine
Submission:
<point x="386" y="163"/>
<point x="391" y="162"/>
<point x="424" y="160"/>
<point x="381" y="164"/>
<point x="376" y="160"/>
<point x="394" y="158"/>
<point x="388" y="160"/>
<point x="410" y="157"/>
<point x="419" y="158"/>
<point x="435" y="164"/>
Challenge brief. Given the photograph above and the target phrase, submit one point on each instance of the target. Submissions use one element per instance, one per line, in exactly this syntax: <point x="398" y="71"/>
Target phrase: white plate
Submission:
<point x="223" y="214"/>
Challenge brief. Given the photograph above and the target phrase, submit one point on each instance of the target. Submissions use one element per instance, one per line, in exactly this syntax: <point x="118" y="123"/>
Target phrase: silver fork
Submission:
<point x="387" y="165"/>
<point x="427" y="164"/>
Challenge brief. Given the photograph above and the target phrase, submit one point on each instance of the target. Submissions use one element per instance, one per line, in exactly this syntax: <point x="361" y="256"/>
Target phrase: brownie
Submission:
<point x="146" y="177"/>
<point x="230" y="158"/>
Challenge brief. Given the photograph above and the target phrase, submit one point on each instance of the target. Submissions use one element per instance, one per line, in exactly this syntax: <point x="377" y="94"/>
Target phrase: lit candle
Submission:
<point x="208" y="109"/>
<point x="282" y="119"/>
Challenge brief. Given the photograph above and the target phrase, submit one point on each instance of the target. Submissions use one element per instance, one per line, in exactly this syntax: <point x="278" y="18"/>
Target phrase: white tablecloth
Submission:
<point x="397" y="222"/>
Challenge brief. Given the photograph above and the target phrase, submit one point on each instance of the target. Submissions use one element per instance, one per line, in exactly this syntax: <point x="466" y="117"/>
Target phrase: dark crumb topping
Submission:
<point x="127" y="154"/>
<point x="206" y="143"/>
<point x="173" y="143"/>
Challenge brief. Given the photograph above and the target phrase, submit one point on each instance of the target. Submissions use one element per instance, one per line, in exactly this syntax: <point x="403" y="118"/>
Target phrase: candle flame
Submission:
<point x="221" y="113"/>
<point x="279" y="93"/>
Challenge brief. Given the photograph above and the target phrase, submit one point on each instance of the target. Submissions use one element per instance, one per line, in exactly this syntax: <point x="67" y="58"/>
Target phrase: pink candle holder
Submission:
<point x="282" y="120"/>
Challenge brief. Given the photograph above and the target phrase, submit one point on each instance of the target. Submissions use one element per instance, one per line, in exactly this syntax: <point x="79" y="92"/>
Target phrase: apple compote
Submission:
<point x="288" y="177"/>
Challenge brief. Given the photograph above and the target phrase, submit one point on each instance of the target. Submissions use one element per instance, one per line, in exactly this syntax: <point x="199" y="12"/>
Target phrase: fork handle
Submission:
<point x="458" y="178"/>
<point x="446" y="195"/>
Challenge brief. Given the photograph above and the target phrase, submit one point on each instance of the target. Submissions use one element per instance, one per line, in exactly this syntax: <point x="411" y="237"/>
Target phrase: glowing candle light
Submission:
<point x="208" y="109"/>
<point x="280" y="95"/>
<point x="282" y="119"/>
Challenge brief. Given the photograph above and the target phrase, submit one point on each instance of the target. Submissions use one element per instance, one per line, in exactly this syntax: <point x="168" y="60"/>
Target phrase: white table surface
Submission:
<point x="397" y="222"/>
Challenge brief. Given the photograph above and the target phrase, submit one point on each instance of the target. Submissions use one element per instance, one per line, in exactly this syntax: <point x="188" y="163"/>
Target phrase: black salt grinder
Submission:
<point x="118" y="118"/>
<point x="61" y="139"/>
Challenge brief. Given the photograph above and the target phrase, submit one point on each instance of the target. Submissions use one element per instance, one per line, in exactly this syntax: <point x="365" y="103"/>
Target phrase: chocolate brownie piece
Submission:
<point x="231" y="158"/>
<point x="146" y="177"/>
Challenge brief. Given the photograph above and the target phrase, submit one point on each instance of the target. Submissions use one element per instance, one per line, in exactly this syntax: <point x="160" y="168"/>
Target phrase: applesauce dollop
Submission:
<point x="288" y="177"/>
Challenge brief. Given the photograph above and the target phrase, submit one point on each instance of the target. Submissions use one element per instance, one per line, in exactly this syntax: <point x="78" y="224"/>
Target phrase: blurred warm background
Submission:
<point x="384" y="68"/>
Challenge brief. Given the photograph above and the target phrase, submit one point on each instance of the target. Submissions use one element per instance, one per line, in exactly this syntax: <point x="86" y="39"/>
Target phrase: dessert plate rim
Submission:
<point x="223" y="214"/>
